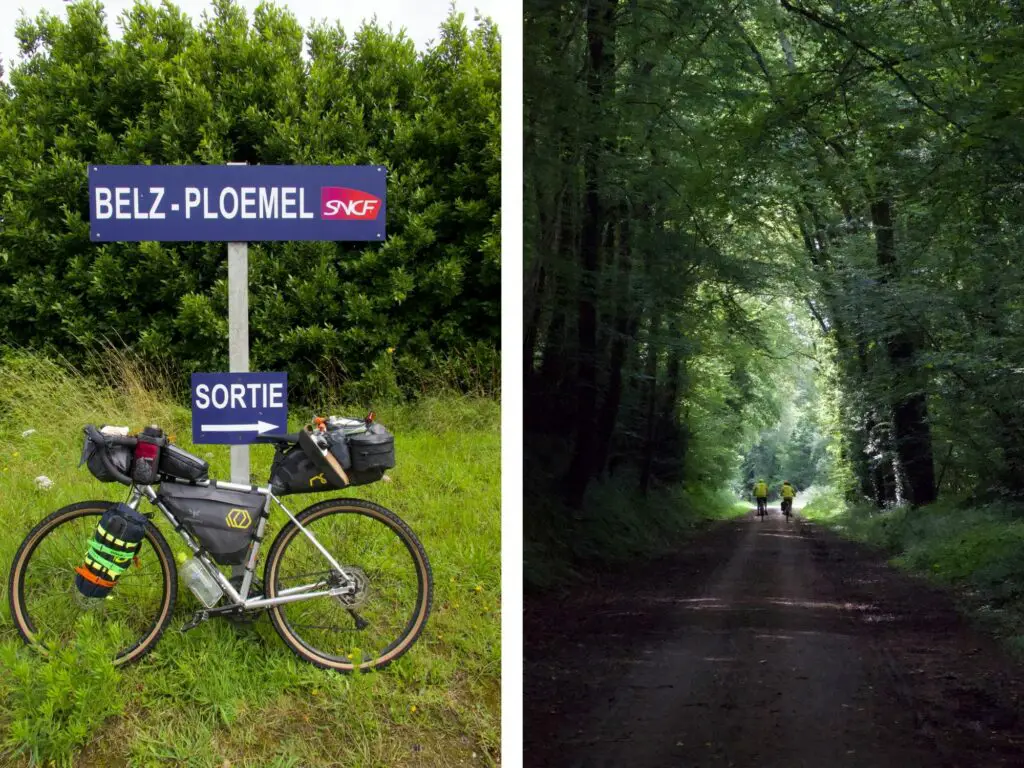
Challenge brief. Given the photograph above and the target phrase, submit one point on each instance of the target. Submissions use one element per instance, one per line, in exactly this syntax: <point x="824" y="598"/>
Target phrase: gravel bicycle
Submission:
<point x="347" y="584"/>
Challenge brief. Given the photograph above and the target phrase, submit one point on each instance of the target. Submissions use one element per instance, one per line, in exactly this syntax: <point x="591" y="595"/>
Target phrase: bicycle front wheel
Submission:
<point x="46" y="606"/>
<point x="388" y="585"/>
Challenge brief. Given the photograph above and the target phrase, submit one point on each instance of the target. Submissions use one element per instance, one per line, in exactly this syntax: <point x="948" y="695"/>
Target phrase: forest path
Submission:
<point x="764" y="643"/>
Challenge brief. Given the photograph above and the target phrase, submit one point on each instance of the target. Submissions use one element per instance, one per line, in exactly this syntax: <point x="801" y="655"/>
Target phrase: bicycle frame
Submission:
<point x="240" y="597"/>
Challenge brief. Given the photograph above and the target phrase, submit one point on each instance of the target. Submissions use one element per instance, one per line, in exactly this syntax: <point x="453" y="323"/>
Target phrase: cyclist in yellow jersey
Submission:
<point x="788" y="492"/>
<point x="761" y="494"/>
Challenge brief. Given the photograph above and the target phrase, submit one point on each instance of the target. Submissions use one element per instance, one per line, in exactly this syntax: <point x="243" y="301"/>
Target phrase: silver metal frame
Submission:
<point x="240" y="598"/>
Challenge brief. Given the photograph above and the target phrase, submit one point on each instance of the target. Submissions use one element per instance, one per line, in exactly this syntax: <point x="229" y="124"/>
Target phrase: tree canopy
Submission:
<point x="781" y="232"/>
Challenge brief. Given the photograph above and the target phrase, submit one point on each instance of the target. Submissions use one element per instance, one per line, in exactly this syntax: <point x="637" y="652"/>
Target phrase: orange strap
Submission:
<point x="88" y="575"/>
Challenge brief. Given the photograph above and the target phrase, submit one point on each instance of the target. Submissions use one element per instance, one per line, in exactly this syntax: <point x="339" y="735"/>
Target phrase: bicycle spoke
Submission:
<point x="52" y="604"/>
<point x="387" y="587"/>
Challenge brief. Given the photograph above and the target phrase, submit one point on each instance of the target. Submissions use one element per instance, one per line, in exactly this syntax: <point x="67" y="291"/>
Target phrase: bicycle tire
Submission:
<point x="21" y="614"/>
<point x="424" y="576"/>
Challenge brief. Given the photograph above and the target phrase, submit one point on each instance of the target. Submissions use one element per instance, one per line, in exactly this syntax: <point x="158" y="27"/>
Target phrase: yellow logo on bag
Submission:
<point x="238" y="518"/>
<point x="319" y="477"/>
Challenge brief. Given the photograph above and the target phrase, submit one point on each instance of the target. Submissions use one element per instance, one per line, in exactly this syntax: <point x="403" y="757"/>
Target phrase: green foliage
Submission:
<point x="618" y="526"/>
<point x="713" y="191"/>
<point x="796" y="447"/>
<point x="57" y="704"/>
<point x="231" y="88"/>
<point x="224" y="694"/>
<point x="659" y="321"/>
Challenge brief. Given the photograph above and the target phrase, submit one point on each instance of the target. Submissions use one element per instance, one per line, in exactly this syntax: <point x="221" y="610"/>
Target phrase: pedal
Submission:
<point x="197" y="618"/>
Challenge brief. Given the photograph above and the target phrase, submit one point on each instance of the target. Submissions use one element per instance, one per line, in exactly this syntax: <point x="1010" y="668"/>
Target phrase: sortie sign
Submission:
<point x="233" y="408"/>
<point x="237" y="203"/>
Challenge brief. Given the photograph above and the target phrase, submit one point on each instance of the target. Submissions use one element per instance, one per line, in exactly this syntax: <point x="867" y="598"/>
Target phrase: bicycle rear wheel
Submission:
<point x="386" y="610"/>
<point x="46" y="606"/>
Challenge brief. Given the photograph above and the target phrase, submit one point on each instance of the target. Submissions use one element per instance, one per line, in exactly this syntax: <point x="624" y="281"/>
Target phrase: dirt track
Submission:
<point x="764" y="644"/>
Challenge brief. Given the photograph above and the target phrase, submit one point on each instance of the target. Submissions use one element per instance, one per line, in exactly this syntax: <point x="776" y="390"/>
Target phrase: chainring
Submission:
<point x="250" y="615"/>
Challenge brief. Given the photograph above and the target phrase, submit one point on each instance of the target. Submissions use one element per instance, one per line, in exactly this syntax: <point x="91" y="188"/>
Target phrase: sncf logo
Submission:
<point x="346" y="203"/>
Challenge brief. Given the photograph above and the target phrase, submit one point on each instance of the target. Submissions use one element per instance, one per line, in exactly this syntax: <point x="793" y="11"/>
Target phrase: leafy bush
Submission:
<point x="239" y="89"/>
<point x="618" y="525"/>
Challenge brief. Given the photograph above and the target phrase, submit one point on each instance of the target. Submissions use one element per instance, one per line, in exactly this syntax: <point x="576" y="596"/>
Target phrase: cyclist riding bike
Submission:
<point x="761" y="495"/>
<point x="788" y="492"/>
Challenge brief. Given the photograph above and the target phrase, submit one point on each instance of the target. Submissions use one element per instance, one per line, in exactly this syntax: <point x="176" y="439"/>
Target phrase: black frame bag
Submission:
<point x="222" y="520"/>
<point x="112" y="549"/>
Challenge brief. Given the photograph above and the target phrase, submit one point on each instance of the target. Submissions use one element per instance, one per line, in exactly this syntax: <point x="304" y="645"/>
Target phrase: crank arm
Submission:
<point x="197" y="618"/>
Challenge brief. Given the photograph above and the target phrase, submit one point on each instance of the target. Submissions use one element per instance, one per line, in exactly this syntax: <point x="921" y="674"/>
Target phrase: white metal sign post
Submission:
<point x="238" y="337"/>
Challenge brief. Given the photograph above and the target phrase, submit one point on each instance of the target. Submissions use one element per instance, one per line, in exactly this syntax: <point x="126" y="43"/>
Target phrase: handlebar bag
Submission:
<point x="111" y="549"/>
<point x="120" y="457"/>
<point x="224" y="521"/>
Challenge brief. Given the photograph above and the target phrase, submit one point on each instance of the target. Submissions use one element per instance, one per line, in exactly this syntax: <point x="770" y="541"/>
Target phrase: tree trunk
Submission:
<point x="535" y="298"/>
<point x="600" y="70"/>
<point x="532" y="325"/>
<point x="549" y="388"/>
<point x="651" y="403"/>
<point x="912" y="433"/>
<point x="625" y="326"/>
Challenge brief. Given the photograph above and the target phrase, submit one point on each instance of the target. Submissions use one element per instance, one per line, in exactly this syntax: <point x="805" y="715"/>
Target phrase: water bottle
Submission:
<point x="202" y="584"/>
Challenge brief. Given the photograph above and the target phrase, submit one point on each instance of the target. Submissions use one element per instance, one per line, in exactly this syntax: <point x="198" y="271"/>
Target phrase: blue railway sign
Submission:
<point x="237" y="203"/>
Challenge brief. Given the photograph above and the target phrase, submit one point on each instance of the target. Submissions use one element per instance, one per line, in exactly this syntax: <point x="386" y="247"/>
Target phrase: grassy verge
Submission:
<point x="227" y="696"/>
<point x="977" y="551"/>
<point x="617" y="525"/>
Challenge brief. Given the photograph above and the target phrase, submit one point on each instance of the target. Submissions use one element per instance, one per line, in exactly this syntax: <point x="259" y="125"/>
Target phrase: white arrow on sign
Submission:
<point x="260" y="427"/>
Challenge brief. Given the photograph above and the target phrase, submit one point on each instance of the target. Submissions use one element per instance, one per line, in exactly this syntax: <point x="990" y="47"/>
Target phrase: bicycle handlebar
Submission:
<point x="108" y="440"/>
<point x="95" y="434"/>
<point x="111" y="440"/>
<point x="291" y="437"/>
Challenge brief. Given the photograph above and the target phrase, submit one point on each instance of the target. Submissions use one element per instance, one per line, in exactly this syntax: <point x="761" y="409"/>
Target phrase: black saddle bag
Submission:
<point x="332" y="460"/>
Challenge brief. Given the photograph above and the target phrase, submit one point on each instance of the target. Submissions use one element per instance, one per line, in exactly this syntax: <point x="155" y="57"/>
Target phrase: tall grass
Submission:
<point x="976" y="550"/>
<point x="229" y="695"/>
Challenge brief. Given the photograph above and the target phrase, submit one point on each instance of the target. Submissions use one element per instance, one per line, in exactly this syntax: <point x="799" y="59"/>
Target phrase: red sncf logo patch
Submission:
<point x="348" y="204"/>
